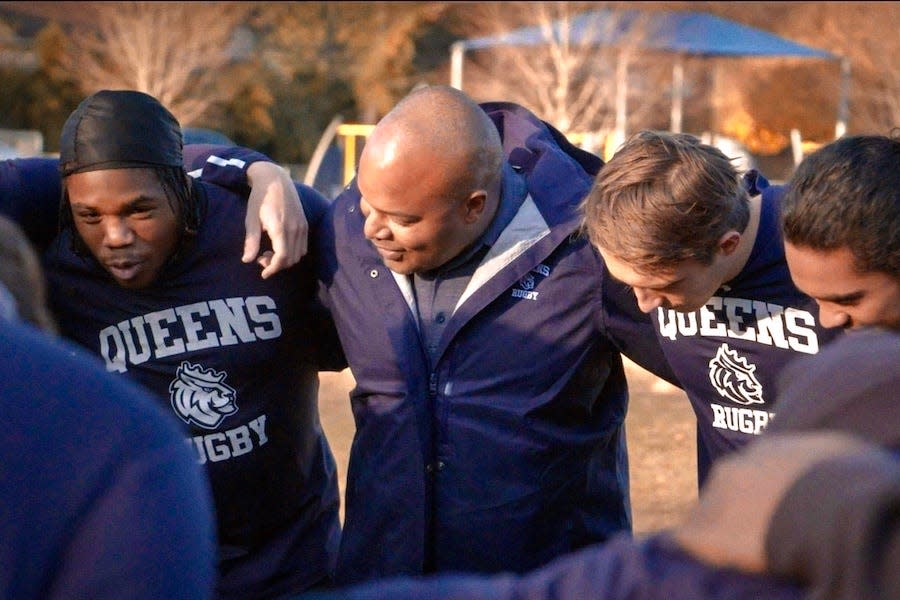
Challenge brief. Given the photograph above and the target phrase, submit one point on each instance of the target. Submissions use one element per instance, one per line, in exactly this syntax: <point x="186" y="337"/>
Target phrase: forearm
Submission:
<point x="30" y="192"/>
<point x="274" y="204"/>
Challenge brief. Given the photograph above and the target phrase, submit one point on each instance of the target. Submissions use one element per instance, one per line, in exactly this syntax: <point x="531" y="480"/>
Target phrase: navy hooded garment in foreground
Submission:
<point x="620" y="569"/>
<point x="100" y="496"/>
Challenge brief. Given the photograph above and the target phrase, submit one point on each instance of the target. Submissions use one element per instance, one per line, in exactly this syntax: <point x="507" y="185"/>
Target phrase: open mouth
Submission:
<point x="124" y="269"/>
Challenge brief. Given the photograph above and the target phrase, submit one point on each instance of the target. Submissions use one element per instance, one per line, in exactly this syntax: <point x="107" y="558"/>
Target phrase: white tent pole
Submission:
<point x="840" y="128"/>
<point x="621" y="99"/>
<point x="677" y="94"/>
<point x="319" y="154"/>
<point x="456" y="64"/>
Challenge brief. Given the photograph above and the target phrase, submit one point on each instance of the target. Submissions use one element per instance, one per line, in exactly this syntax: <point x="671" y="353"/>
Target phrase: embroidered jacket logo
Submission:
<point x="200" y="397"/>
<point x="734" y="378"/>
<point x="527" y="283"/>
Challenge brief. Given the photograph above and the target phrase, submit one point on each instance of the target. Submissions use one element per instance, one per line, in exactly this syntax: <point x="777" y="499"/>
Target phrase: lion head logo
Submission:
<point x="527" y="282"/>
<point x="734" y="378"/>
<point x="200" y="398"/>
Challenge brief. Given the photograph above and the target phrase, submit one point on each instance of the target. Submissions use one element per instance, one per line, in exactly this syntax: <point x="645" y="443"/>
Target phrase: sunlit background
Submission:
<point x="282" y="76"/>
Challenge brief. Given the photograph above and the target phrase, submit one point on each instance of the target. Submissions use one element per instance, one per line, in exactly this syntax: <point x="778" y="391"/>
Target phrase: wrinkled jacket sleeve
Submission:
<point x="840" y="504"/>
<point x="225" y="166"/>
<point x="622" y="568"/>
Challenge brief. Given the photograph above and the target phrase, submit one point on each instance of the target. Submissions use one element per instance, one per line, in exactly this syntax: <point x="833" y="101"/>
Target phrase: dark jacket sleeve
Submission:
<point x="30" y="193"/>
<point x="225" y="166"/>
<point x="100" y="496"/>
<point x="619" y="569"/>
<point x="837" y="530"/>
<point x="329" y="352"/>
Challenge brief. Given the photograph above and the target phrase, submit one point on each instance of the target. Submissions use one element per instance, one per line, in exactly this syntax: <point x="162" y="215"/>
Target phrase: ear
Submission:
<point x="729" y="242"/>
<point x="474" y="205"/>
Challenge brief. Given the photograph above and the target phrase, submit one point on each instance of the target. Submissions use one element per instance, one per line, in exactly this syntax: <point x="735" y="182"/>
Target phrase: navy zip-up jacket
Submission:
<point x="510" y="449"/>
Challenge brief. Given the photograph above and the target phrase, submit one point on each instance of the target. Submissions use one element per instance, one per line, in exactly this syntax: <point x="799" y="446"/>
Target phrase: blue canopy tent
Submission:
<point x="681" y="33"/>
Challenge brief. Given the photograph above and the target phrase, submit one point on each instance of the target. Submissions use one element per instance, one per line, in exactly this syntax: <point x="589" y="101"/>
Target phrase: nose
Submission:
<point x="375" y="227"/>
<point x="647" y="299"/>
<point x="831" y="317"/>
<point x="117" y="233"/>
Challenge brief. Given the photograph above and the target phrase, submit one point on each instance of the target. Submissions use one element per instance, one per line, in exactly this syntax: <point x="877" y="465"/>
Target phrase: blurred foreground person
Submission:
<point x="23" y="277"/>
<point x="835" y="529"/>
<point x="99" y="496"/>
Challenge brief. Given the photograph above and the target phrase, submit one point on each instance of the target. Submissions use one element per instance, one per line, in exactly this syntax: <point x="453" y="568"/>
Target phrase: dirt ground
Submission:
<point x="659" y="429"/>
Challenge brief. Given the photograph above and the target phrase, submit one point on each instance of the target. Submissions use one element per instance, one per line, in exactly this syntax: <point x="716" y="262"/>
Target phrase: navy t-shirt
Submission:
<point x="728" y="354"/>
<point x="234" y="359"/>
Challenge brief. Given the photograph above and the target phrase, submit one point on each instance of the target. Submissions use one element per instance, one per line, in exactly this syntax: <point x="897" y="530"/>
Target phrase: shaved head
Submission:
<point x="429" y="179"/>
<point x="448" y="127"/>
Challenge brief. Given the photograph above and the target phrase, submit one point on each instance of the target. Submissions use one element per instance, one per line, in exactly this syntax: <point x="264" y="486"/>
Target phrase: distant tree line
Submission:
<point x="273" y="75"/>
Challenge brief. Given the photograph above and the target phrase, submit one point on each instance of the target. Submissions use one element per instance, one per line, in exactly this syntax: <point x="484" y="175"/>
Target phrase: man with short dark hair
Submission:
<point x="841" y="223"/>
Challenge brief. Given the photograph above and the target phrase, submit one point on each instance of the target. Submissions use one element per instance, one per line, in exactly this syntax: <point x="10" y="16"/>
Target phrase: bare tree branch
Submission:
<point x="876" y="56"/>
<point x="567" y="79"/>
<point x="173" y="51"/>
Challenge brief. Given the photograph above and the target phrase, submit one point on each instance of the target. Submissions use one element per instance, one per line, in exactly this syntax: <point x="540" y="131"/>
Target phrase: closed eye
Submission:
<point x="404" y="221"/>
<point x="88" y="217"/>
<point x="851" y="299"/>
<point x="142" y="212"/>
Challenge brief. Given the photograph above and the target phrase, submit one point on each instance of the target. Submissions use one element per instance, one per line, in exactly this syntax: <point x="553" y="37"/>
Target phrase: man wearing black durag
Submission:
<point x="145" y="273"/>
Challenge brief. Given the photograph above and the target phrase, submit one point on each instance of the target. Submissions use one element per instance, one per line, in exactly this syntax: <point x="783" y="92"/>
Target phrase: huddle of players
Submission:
<point x="452" y="267"/>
